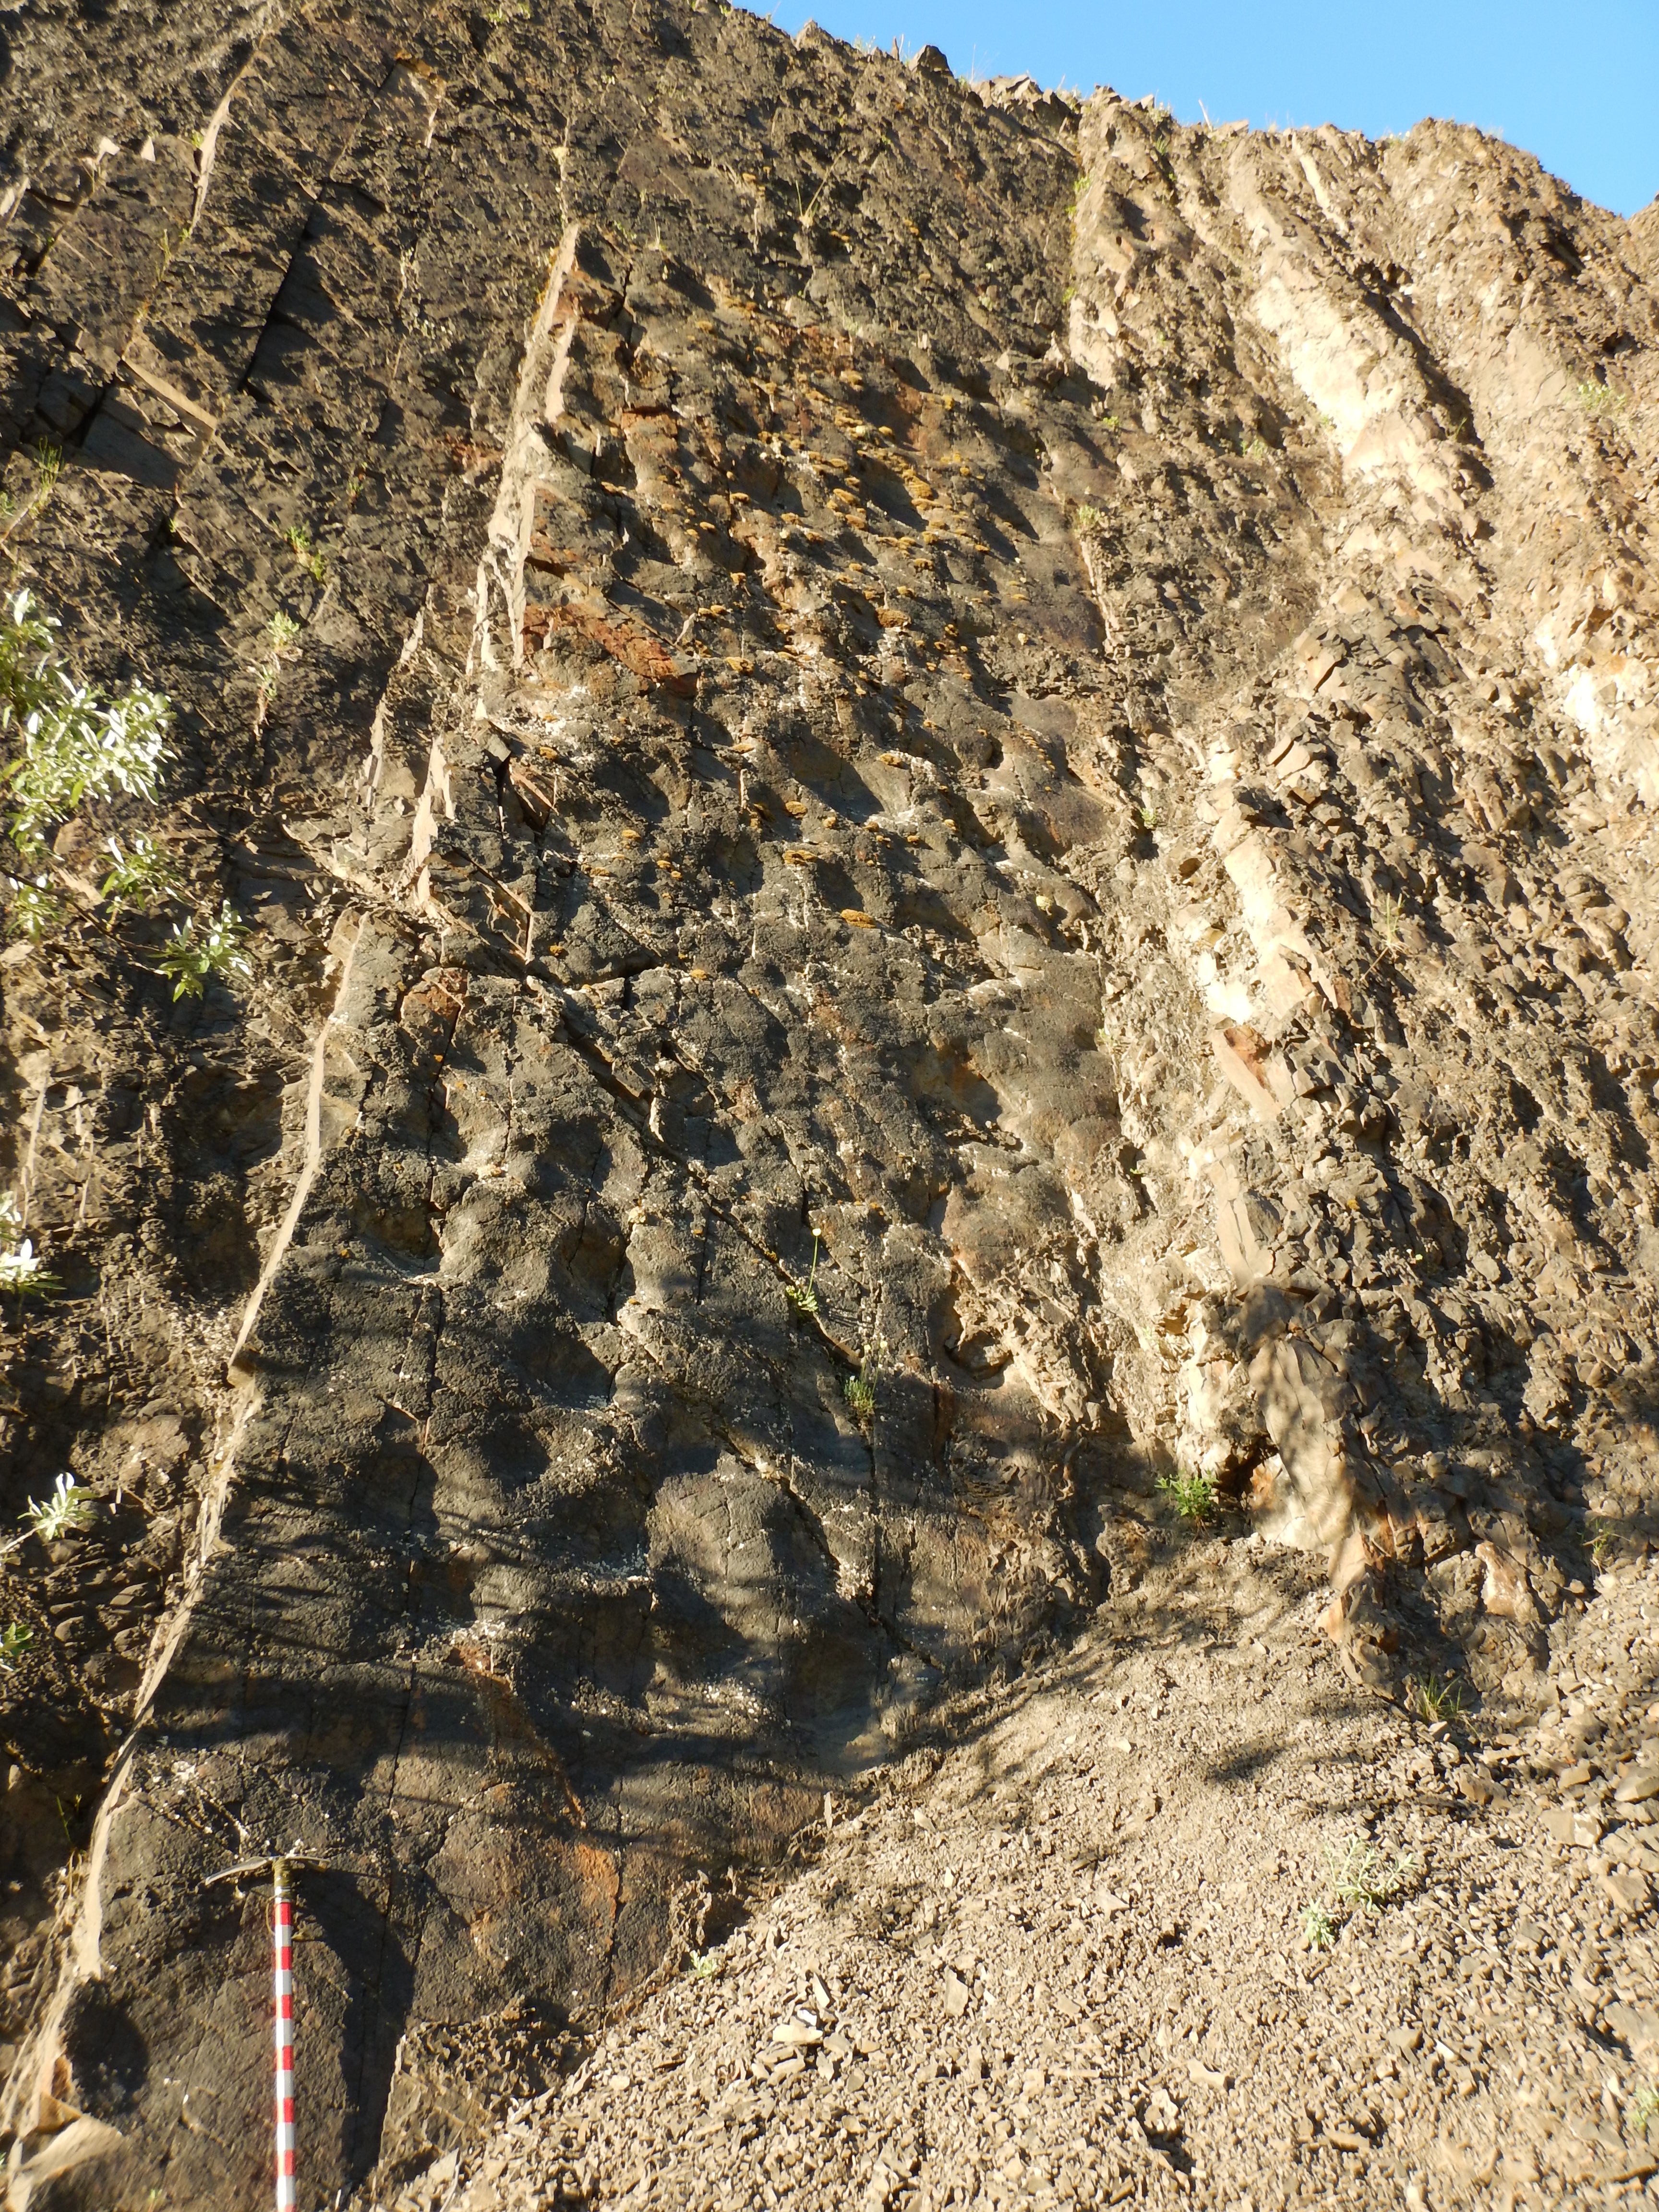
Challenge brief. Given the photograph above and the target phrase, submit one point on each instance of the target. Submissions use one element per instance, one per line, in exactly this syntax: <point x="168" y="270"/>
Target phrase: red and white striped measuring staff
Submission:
<point x="281" y="1942"/>
<point x="281" y="1977"/>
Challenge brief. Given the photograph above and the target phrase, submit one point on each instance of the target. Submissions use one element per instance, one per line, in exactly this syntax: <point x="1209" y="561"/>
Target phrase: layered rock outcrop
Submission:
<point x="951" y="812"/>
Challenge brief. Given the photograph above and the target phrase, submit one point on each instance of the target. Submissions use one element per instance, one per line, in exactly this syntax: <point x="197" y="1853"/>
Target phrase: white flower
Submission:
<point x="19" y="1269"/>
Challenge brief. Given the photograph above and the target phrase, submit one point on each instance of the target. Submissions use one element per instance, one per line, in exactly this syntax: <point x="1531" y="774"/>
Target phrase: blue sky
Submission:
<point x="1579" y="89"/>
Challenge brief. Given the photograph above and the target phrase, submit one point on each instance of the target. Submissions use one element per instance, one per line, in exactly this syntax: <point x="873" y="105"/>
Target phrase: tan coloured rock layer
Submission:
<point x="943" y="742"/>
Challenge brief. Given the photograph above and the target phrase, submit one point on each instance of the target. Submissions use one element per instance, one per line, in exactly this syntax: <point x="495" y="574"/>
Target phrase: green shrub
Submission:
<point x="143" y="877"/>
<point x="75" y="745"/>
<point x="1360" y="1880"/>
<point x="1194" y="1495"/>
<point x="1318" y="1929"/>
<point x="196" y="951"/>
<point x="34" y="912"/>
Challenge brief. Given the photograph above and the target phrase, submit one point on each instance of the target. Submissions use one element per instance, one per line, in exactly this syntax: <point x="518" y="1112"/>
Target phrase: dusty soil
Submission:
<point x="950" y="816"/>
<point x="1062" y="1955"/>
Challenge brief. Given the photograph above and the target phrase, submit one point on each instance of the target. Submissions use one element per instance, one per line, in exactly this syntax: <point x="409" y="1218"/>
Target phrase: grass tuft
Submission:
<point x="1433" y="1701"/>
<point x="48" y="467"/>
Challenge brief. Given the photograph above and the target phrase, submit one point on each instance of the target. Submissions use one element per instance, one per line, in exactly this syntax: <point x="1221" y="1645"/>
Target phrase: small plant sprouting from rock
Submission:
<point x="803" y="1296"/>
<point x="1386" y="921"/>
<point x="1601" y="399"/>
<point x="1255" y="449"/>
<point x="314" y="561"/>
<point x="1433" y="1701"/>
<point x="68" y="1510"/>
<point x="281" y="634"/>
<point x="1360" y="1879"/>
<point x="1643" y="2109"/>
<point x="196" y="951"/>
<point x="1318" y="1929"/>
<point x="48" y="467"/>
<point x="1089" y="519"/>
<point x="859" y="1389"/>
<point x="21" y="1268"/>
<point x="1194" y="1495"/>
<point x="15" y="1642"/>
<point x="75" y="746"/>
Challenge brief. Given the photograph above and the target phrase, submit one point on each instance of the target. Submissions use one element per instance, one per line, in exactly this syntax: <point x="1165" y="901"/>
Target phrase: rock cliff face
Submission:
<point x="950" y="814"/>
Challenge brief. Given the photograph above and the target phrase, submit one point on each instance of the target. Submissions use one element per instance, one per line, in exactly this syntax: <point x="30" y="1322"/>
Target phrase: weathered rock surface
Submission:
<point x="961" y="812"/>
